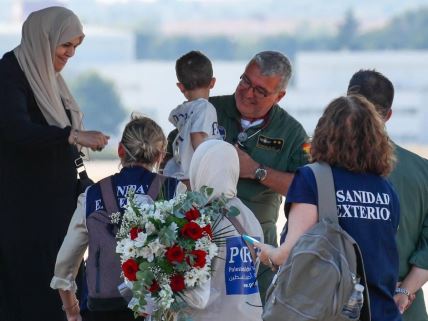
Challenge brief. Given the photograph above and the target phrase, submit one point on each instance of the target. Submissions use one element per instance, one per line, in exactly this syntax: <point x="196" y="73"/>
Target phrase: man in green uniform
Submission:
<point x="270" y="143"/>
<point x="410" y="179"/>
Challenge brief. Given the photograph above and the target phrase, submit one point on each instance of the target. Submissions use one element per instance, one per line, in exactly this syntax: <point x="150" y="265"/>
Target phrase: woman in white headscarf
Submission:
<point x="234" y="293"/>
<point x="40" y="133"/>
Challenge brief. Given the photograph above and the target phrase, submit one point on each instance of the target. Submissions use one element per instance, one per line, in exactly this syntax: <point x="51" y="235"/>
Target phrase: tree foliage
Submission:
<point x="99" y="102"/>
<point x="347" y="32"/>
<point x="406" y="31"/>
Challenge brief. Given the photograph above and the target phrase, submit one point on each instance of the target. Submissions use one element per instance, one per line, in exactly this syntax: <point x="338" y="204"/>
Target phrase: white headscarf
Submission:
<point x="42" y="33"/>
<point x="215" y="163"/>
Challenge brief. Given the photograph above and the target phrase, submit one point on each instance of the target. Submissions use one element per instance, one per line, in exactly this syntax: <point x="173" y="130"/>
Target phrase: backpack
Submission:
<point x="319" y="275"/>
<point x="103" y="266"/>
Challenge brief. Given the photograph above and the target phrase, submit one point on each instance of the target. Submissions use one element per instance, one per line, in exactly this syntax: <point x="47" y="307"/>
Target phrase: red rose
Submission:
<point x="192" y="230"/>
<point x="177" y="283"/>
<point x="192" y="214"/>
<point x="199" y="258"/>
<point x="208" y="231"/>
<point x="130" y="269"/>
<point x="134" y="232"/>
<point x="175" y="254"/>
<point x="154" y="287"/>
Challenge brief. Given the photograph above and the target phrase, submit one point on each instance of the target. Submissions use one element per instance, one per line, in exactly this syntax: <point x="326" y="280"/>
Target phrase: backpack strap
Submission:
<point x="156" y="186"/>
<point x="108" y="196"/>
<point x="326" y="193"/>
<point x="235" y="222"/>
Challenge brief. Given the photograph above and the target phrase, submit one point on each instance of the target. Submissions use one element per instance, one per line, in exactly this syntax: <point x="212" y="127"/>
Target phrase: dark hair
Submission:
<point x="144" y="141"/>
<point x="351" y="134"/>
<point x="375" y="87"/>
<point x="194" y="70"/>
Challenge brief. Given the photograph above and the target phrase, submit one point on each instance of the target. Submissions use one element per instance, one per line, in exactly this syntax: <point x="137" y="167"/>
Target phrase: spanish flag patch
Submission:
<point x="306" y="147"/>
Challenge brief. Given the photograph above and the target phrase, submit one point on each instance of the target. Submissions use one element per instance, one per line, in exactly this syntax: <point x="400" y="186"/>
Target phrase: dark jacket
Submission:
<point x="38" y="187"/>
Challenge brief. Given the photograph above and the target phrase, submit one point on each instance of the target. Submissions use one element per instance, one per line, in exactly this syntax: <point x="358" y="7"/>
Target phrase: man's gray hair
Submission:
<point x="273" y="63"/>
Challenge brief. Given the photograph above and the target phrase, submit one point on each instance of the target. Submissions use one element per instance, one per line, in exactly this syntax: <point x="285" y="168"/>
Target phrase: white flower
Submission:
<point x="205" y="243"/>
<point x="212" y="250"/>
<point x="128" y="249"/>
<point x="203" y="274"/>
<point x="190" y="278"/>
<point x="115" y="217"/>
<point x="165" y="296"/>
<point x="157" y="247"/>
<point x="157" y="215"/>
<point x="121" y="245"/>
<point x="165" y="206"/>
<point x="147" y="253"/>
<point x="197" y="276"/>
<point x="150" y="228"/>
<point x="140" y="240"/>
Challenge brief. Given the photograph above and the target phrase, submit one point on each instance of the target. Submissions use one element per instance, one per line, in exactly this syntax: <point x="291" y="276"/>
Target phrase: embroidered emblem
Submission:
<point x="275" y="144"/>
<point x="222" y="132"/>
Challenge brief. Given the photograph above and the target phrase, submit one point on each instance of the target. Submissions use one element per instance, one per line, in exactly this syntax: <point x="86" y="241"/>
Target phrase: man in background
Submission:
<point x="410" y="179"/>
<point x="270" y="142"/>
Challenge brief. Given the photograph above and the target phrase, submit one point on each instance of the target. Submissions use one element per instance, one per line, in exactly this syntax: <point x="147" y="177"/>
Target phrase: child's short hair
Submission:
<point x="194" y="70"/>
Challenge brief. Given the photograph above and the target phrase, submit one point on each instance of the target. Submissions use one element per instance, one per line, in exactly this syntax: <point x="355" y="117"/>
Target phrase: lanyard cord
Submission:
<point x="243" y="136"/>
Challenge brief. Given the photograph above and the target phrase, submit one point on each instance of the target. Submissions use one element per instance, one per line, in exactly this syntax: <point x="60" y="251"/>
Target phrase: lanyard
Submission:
<point x="243" y="135"/>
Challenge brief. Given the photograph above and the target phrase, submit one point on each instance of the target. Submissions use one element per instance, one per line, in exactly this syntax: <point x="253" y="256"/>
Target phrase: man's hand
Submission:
<point x="403" y="301"/>
<point x="247" y="165"/>
<point x="276" y="180"/>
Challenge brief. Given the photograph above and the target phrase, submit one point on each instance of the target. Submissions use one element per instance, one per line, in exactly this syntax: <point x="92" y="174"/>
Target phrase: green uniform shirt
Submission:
<point x="278" y="144"/>
<point x="410" y="179"/>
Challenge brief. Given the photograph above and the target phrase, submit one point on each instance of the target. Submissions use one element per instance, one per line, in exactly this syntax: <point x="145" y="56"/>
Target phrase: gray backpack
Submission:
<point x="318" y="277"/>
<point x="103" y="268"/>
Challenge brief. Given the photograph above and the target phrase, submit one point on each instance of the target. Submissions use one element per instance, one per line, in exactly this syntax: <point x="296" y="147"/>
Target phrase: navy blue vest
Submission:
<point x="137" y="179"/>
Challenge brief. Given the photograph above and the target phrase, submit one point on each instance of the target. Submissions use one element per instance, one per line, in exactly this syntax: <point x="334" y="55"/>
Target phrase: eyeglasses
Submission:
<point x="259" y="92"/>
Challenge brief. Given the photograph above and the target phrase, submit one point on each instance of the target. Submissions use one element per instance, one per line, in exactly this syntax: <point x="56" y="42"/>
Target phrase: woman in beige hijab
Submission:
<point x="234" y="294"/>
<point x="40" y="133"/>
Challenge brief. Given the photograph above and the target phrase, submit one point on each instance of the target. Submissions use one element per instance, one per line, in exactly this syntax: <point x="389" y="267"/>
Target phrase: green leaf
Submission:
<point x="142" y="301"/>
<point x="233" y="211"/>
<point x="146" y="276"/>
<point x="167" y="236"/>
<point x="144" y="266"/>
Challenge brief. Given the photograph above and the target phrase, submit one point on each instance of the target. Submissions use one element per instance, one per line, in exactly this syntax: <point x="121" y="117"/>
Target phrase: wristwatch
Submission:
<point x="402" y="291"/>
<point x="260" y="173"/>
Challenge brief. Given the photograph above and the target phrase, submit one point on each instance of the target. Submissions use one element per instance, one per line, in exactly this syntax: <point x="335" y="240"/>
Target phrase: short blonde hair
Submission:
<point x="351" y="134"/>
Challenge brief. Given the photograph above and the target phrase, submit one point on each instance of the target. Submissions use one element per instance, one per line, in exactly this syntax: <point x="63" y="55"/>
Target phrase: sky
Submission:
<point x="130" y="13"/>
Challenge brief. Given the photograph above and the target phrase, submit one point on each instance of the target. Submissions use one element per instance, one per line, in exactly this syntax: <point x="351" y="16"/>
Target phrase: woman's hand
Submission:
<point x="73" y="312"/>
<point x="70" y="305"/>
<point x="73" y="315"/>
<point x="268" y="255"/>
<point x="95" y="140"/>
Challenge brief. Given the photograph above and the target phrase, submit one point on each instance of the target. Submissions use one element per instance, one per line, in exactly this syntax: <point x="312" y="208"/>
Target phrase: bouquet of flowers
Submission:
<point x="166" y="247"/>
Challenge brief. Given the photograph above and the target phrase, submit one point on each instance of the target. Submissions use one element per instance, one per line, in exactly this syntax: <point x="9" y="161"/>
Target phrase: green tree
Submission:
<point x="406" y="31"/>
<point x="99" y="102"/>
